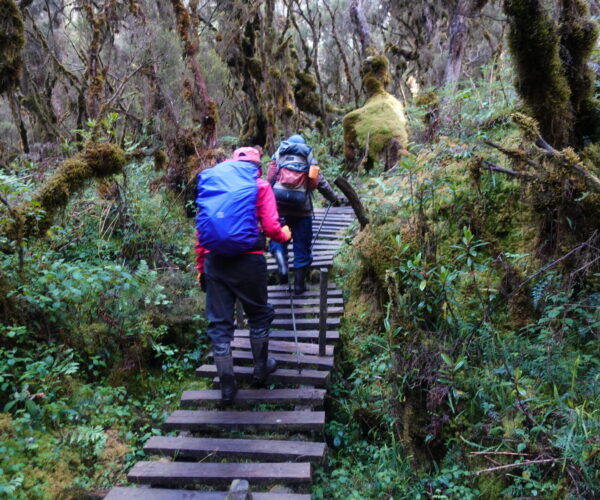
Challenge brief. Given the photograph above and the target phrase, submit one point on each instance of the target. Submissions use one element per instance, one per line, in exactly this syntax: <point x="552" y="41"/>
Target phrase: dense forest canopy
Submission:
<point x="469" y="365"/>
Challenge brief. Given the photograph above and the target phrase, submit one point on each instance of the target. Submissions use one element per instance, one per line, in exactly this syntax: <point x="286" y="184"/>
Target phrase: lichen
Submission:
<point x="12" y="40"/>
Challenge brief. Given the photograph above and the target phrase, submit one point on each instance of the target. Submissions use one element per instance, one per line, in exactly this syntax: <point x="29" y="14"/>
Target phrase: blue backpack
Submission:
<point x="227" y="223"/>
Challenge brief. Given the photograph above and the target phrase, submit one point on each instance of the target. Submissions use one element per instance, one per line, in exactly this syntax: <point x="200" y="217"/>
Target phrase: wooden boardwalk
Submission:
<point x="268" y="436"/>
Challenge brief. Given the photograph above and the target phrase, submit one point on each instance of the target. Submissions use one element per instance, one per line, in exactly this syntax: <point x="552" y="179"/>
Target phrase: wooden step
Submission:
<point x="302" y="324"/>
<point x="304" y="396"/>
<point x="122" y="493"/>
<point x="308" y="294"/>
<point x="322" y="362"/>
<point x="217" y="449"/>
<point x="188" y="473"/>
<point x="331" y="310"/>
<point x="264" y="421"/>
<point x="305" y="302"/>
<point x="309" y="335"/>
<point x="285" y="346"/>
<point x="284" y="288"/>
<point x="280" y="376"/>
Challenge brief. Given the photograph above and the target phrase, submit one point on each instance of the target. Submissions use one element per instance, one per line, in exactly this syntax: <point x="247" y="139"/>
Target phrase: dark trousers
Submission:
<point x="301" y="228"/>
<point x="243" y="277"/>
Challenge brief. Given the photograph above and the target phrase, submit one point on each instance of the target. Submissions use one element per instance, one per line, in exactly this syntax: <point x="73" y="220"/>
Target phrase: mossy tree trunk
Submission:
<point x="550" y="60"/>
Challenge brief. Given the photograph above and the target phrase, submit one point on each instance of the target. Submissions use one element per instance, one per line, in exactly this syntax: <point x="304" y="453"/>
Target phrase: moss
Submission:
<point x="160" y="159"/>
<point x="380" y="120"/>
<point x="97" y="160"/>
<point x="534" y="44"/>
<point x="305" y="93"/>
<point x="427" y="100"/>
<point x="12" y="41"/>
<point x="375" y="74"/>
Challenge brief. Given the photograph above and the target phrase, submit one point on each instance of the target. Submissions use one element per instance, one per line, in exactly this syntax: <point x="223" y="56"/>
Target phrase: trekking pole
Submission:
<point x="294" y="328"/>
<point x="321" y="225"/>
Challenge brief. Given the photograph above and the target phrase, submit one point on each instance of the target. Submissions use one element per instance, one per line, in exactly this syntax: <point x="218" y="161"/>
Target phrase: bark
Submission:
<point x="457" y="40"/>
<point x="354" y="200"/>
<point x="359" y="19"/>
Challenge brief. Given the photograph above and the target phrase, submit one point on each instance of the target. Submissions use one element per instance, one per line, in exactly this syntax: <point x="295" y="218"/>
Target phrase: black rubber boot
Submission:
<point x="282" y="266"/>
<point x="263" y="365"/>
<point x="224" y="364"/>
<point x="300" y="280"/>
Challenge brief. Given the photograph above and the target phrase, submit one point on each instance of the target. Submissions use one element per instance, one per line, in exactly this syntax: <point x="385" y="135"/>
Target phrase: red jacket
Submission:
<point x="268" y="219"/>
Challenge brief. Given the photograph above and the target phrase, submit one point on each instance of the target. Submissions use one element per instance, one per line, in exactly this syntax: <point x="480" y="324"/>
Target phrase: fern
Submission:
<point x="539" y="290"/>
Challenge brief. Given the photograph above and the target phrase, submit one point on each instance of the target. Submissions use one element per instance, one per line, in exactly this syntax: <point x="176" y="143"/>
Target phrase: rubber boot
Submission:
<point x="300" y="280"/>
<point x="224" y="364"/>
<point x="263" y="365"/>
<point x="282" y="266"/>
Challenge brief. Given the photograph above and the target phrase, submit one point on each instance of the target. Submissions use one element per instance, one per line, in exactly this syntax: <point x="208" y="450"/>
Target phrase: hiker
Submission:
<point x="236" y="210"/>
<point x="294" y="174"/>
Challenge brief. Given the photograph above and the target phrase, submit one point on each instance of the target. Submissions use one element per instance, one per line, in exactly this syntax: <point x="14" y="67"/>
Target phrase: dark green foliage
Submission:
<point x="12" y="40"/>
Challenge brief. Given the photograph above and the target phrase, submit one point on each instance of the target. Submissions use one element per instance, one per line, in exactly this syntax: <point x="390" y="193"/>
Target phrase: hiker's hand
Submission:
<point x="202" y="282"/>
<point x="288" y="234"/>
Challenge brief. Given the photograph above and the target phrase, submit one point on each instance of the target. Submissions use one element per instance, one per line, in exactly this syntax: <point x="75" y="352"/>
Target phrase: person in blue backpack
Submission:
<point x="294" y="174"/>
<point x="236" y="210"/>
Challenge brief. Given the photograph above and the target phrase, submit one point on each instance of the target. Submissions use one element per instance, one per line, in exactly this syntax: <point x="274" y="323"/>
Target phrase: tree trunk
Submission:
<point x="457" y="35"/>
<point x="357" y="14"/>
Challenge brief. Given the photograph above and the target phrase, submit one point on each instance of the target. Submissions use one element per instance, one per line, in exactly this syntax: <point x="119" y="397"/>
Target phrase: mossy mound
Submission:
<point x="12" y="40"/>
<point x="378" y="122"/>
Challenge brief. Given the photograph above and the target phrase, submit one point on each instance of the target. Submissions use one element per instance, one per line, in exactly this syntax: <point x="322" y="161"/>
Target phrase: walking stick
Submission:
<point x="321" y="225"/>
<point x="294" y="328"/>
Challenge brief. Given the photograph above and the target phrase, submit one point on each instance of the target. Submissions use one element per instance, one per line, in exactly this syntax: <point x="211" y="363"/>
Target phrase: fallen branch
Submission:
<point x="519" y="464"/>
<point x="499" y="453"/>
<point x="513" y="153"/>
<point x="496" y="168"/>
<point x="354" y="200"/>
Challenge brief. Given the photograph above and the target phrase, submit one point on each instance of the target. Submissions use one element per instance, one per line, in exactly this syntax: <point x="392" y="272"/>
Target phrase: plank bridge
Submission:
<point x="269" y="436"/>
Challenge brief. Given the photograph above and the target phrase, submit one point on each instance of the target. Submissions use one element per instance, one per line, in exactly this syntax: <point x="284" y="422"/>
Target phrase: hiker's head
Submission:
<point x="296" y="138"/>
<point x="247" y="154"/>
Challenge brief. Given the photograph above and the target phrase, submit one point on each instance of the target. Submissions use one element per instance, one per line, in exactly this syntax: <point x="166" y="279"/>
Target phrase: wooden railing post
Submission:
<point x="324" y="274"/>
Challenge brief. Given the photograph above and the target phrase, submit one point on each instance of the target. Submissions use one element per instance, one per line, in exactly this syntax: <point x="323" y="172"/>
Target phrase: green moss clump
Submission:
<point x="103" y="158"/>
<point x="380" y="120"/>
<point x="160" y="159"/>
<point x="375" y="73"/>
<point x="12" y="41"/>
<point x="305" y="93"/>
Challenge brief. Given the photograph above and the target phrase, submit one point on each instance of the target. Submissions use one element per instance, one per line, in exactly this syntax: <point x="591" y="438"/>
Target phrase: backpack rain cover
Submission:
<point x="227" y="223"/>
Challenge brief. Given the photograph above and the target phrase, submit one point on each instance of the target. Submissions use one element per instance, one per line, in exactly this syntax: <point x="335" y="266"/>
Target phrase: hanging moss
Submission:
<point x="33" y="217"/>
<point x="12" y="40"/>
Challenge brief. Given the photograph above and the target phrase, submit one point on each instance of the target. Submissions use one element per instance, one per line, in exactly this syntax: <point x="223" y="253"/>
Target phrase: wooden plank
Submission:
<point x="308" y="294"/>
<point x="284" y="288"/>
<point x="122" y="493"/>
<point x="305" y="396"/>
<point x="332" y="310"/>
<point x="188" y="473"/>
<point x="308" y="335"/>
<point x="316" y="378"/>
<point x="218" y="448"/>
<point x="300" y="303"/>
<point x="322" y="362"/>
<point x="285" y="346"/>
<point x="200" y="420"/>
<point x="303" y="323"/>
